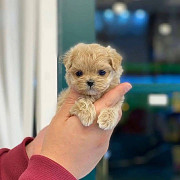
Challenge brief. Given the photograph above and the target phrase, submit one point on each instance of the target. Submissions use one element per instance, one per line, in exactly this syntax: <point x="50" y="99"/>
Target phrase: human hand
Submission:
<point x="35" y="146"/>
<point x="75" y="147"/>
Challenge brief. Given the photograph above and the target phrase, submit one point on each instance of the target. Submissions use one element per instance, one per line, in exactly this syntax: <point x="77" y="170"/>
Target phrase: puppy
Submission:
<point x="92" y="70"/>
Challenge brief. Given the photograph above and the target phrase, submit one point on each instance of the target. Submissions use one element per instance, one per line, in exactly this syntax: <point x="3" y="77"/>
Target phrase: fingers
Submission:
<point x="68" y="103"/>
<point x="108" y="100"/>
<point x="112" y="97"/>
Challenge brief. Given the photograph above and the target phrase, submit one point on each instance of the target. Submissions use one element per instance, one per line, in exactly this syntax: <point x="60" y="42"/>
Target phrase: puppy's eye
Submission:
<point x="79" y="73"/>
<point x="102" y="72"/>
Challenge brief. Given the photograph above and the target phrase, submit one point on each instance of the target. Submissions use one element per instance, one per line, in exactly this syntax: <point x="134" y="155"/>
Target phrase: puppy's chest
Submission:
<point x="95" y="98"/>
<point x="91" y="98"/>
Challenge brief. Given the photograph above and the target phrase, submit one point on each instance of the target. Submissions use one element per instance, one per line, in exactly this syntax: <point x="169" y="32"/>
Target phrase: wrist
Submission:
<point x="62" y="161"/>
<point x="35" y="146"/>
<point x="29" y="149"/>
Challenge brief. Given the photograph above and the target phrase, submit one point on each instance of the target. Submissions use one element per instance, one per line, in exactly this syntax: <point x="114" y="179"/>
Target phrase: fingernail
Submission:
<point x="128" y="87"/>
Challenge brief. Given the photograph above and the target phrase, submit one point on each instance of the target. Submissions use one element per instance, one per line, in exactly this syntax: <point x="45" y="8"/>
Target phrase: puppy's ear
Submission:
<point x="115" y="58"/>
<point x="70" y="55"/>
<point x="67" y="60"/>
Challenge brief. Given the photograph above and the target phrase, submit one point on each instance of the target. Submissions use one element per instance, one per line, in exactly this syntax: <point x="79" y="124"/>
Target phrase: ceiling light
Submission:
<point x="140" y="14"/>
<point x="158" y="99"/>
<point x="108" y="14"/>
<point x="119" y="7"/>
<point x="165" y="29"/>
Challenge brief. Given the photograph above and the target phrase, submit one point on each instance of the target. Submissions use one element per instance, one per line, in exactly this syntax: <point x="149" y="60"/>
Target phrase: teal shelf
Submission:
<point x="152" y="68"/>
<point x="155" y="88"/>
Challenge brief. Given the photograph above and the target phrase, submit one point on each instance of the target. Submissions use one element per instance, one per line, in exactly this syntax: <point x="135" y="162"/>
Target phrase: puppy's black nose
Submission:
<point x="90" y="83"/>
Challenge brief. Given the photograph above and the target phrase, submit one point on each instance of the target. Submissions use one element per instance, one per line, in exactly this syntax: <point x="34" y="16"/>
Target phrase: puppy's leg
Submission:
<point x="84" y="110"/>
<point x="108" y="117"/>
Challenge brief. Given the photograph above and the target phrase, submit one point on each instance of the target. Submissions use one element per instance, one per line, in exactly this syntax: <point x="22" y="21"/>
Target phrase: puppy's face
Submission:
<point x="91" y="68"/>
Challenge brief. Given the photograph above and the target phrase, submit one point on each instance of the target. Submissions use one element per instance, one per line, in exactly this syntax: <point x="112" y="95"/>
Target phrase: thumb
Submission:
<point x="67" y="104"/>
<point x="112" y="97"/>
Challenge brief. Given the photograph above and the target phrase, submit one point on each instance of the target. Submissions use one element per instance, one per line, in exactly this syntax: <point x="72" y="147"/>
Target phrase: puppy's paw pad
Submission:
<point x="85" y="111"/>
<point x="107" y="119"/>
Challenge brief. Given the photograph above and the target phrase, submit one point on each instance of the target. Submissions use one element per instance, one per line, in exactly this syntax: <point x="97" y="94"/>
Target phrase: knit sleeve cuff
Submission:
<point x="15" y="161"/>
<point x="41" y="167"/>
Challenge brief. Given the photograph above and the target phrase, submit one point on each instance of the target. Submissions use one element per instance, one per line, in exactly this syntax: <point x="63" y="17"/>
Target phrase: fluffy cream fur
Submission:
<point x="89" y="59"/>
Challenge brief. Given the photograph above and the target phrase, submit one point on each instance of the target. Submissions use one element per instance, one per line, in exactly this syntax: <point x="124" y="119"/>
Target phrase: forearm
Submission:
<point x="15" y="164"/>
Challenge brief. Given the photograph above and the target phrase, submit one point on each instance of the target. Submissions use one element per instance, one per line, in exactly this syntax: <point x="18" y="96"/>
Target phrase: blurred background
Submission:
<point x="146" y="143"/>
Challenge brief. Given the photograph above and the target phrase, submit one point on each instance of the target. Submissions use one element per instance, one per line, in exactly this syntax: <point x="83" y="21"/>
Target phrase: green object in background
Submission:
<point x="151" y="68"/>
<point x="75" y="25"/>
<point x="155" y="88"/>
<point x="91" y="176"/>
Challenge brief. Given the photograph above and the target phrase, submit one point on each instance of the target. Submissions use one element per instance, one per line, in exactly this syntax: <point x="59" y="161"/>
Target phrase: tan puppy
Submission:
<point x="92" y="70"/>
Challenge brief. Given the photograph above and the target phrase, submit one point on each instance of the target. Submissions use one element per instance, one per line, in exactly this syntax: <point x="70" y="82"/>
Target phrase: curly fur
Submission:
<point x="89" y="59"/>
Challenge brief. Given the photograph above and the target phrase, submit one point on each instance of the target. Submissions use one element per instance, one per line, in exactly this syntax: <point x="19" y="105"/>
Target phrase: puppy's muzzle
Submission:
<point x="90" y="83"/>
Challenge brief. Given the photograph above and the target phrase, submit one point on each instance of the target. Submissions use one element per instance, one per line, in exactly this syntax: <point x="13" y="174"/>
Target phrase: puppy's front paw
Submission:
<point x="107" y="118"/>
<point x="85" y="111"/>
